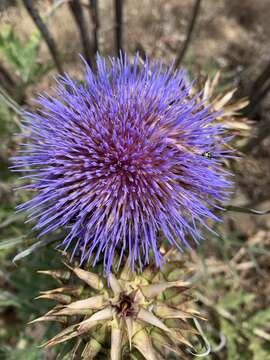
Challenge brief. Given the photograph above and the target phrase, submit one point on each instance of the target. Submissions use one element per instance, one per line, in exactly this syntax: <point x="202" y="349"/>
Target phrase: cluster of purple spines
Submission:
<point x="119" y="161"/>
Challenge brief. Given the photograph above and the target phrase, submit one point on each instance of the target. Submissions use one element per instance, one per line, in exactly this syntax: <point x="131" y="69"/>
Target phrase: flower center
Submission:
<point x="125" y="305"/>
<point x="123" y="164"/>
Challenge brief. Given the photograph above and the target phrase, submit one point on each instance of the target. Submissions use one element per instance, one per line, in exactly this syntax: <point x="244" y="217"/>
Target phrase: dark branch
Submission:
<point x="45" y="33"/>
<point x="263" y="131"/>
<point x="191" y="27"/>
<point x="256" y="99"/>
<point x="261" y="79"/>
<point x="258" y="92"/>
<point x="6" y="78"/>
<point x="118" y="5"/>
<point x="77" y="12"/>
<point x="95" y="21"/>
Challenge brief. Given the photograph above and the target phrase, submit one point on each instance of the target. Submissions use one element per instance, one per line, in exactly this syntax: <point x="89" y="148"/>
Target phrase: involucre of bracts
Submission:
<point x="222" y="101"/>
<point x="120" y="161"/>
<point x="141" y="315"/>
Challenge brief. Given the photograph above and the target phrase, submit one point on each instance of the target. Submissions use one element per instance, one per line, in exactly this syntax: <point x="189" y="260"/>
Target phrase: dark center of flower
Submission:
<point x="125" y="305"/>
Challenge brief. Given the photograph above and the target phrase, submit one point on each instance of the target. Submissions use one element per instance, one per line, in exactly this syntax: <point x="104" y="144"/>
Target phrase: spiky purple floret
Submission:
<point x="119" y="162"/>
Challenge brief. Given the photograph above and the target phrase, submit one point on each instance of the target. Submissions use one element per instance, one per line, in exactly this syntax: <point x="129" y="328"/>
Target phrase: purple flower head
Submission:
<point x="122" y="160"/>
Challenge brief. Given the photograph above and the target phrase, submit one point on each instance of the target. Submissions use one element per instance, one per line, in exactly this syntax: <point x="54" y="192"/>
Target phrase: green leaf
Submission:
<point x="10" y="47"/>
<point x="231" y="335"/>
<point x="246" y="210"/>
<point x="22" y="56"/>
<point x="33" y="248"/>
<point x="260" y="319"/>
<point x="30" y="352"/>
<point x="8" y="299"/>
<point x="6" y="244"/>
<point x="261" y="350"/>
<point x="234" y="299"/>
<point x="29" y="54"/>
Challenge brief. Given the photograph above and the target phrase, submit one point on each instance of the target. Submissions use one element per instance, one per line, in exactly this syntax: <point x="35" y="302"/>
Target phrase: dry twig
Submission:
<point x="77" y="12"/>
<point x="191" y="27"/>
<point x="118" y="25"/>
<point x="95" y="20"/>
<point x="33" y="12"/>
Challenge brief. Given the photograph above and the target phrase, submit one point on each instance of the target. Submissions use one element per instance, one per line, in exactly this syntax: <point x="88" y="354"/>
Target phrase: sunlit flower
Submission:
<point x="123" y="160"/>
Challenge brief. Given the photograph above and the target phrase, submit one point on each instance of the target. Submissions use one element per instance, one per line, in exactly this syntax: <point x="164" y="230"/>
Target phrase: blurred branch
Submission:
<point x="12" y="104"/>
<point x="195" y="13"/>
<point x="77" y="12"/>
<point x="45" y="33"/>
<point x="261" y="79"/>
<point x="258" y="92"/>
<point x="95" y="21"/>
<point x="7" y="82"/>
<point x="11" y="86"/>
<point x="5" y="77"/>
<point x="245" y="210"/>
<point x="256" y="98"/>
<point x="53" y="8"/>
<point x="263" y="131"/>
<point x="118" y="5"/>
<point x="262" y="94"/>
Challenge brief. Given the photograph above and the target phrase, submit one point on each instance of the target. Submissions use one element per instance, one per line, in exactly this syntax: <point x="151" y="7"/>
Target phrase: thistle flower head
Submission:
<point x="148" y="313"/>
<point x="122" y="160"/>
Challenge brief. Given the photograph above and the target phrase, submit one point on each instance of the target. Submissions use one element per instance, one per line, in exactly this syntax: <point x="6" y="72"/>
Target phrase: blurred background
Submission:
<point x="39" y="39"/>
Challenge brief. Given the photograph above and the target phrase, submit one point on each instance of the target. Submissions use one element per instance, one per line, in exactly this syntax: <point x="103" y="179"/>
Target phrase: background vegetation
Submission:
<point x="41" y="38"/>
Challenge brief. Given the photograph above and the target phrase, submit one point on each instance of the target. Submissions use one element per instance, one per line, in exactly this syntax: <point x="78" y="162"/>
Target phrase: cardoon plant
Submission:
<point x="122" y="161"/>
<point x="148" y="315"/>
